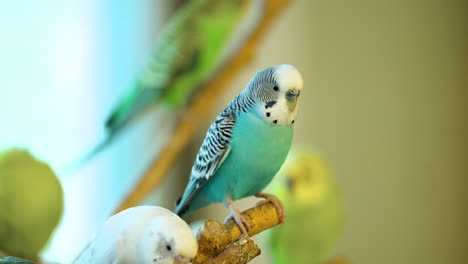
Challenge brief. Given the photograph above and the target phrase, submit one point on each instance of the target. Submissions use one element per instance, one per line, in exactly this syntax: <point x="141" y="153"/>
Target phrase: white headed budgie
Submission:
<point x="142" y="234"/>
<point x="315" y="210"/>
<point x="246" y="145"/>
<point x="193" y="45"/>
<point x="31" y="203"/>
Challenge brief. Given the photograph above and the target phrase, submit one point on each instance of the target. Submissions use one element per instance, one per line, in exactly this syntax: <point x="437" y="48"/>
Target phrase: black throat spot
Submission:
<point x="270" y="104"/>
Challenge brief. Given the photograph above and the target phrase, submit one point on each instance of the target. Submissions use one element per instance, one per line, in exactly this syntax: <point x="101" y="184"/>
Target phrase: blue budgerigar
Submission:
<point x="246" y="145"/>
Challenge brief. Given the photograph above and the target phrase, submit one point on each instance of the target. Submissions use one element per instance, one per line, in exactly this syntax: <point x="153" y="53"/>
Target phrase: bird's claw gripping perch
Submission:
<point x="241" y="222"/>
<point x="276" y="202"/>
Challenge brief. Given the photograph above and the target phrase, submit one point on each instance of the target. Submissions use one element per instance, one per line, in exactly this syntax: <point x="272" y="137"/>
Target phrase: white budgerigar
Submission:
<point x="144" y="235"/>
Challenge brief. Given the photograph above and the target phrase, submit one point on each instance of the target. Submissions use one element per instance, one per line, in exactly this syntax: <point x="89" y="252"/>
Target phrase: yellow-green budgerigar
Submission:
<point x="31" y="203"/>
<point x="200" y="38"/>
<point x="314" y="207"/>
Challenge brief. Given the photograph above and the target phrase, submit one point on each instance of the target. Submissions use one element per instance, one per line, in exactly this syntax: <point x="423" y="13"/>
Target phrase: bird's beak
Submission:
<point x="291" y="98"/>
<point x="182" y="260"/>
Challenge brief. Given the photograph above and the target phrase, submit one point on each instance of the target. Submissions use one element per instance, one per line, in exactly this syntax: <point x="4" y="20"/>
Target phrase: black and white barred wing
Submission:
<point x="212" y="153"/>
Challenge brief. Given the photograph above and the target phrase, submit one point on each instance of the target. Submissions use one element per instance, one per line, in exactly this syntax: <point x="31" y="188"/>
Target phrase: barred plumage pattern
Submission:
<point x="215" y="147"/>
<point x="217" y="139"/>
<point x="219" y="134"/>
<point x="261" y="85"/>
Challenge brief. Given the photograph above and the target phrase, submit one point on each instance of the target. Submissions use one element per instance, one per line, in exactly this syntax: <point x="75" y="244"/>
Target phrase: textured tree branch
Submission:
<point x="214" y="236"/>
<point x="240" y="251"/>
<point x="200" y="108"/>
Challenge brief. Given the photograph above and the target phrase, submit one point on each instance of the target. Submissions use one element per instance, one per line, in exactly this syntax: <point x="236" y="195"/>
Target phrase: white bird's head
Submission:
<point x="276" y="90"/>
<point x="168" y="240"/>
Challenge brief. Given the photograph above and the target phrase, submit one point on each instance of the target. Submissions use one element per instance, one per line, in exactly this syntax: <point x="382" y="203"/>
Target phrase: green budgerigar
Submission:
<point x="31" y="203"/>
<point x="200" y="38"/>
<point x="314" y="205"/>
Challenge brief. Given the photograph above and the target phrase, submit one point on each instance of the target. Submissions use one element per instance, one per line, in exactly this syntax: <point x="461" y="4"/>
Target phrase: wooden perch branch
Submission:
<point x="214" y="236"/>
<point x="200" y="108"/>
<point x="240" y="251"/>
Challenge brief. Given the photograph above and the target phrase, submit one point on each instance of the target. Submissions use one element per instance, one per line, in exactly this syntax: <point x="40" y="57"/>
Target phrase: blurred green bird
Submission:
<point x="31" y="203"/>
<point x="314" y="209"/>
<point x="194" y="44"/>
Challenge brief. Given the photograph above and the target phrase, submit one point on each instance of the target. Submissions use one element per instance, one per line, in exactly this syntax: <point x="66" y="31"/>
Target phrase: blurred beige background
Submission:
<point x="386" y="101"/>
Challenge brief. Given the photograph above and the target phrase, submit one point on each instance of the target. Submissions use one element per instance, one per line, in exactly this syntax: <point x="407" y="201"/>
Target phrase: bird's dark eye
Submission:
<point x="168" y="247"/>
<point x="276" y="88"/>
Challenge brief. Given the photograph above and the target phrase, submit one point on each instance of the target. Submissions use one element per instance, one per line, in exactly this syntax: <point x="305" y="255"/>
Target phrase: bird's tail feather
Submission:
<point x="132" y="105"/>
<point x="178" y="210"/>
<point x="184" y="205"/>
<point x="80" y="162"/>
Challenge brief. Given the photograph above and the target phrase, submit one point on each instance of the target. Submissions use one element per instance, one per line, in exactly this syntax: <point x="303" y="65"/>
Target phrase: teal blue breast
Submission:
<point x="258" y="149"/>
